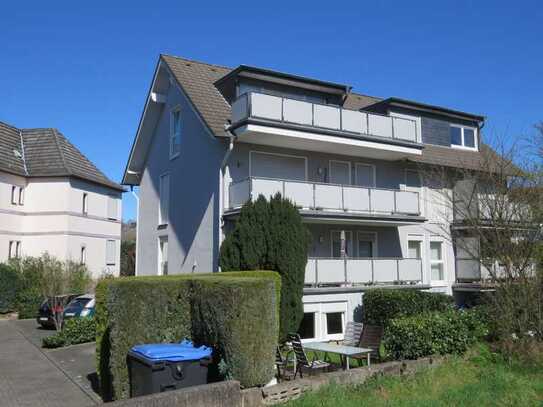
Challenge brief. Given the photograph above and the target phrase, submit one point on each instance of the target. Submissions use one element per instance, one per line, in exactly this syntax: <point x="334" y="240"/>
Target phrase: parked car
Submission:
<point x="45" y="314"/>
<point x="81" y="306"/>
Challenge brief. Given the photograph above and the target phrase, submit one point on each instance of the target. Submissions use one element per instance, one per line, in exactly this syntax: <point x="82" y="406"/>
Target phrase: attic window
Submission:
<point x="175" y="132"/>
<point x="463" y="137"/>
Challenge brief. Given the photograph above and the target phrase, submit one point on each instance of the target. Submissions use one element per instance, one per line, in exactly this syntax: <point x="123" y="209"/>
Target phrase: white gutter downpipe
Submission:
<point x="232" y="138"/>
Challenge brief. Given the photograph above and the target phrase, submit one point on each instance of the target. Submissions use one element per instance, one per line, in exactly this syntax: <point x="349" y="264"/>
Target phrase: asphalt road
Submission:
<point x="30" y="376"/>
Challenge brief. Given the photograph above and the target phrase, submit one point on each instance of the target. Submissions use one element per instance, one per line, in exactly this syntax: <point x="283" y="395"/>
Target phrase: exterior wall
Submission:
<point x="51" y="220"/>
<point x="194" y="218"/>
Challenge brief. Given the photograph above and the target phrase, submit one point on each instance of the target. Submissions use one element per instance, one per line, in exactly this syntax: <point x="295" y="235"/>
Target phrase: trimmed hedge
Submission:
<point x="382" y="305"/>
<point x="235" y="313"/>
<point x="74" y="331"/>
<point x="434" y="333"/>
<point x="9" y="287"/>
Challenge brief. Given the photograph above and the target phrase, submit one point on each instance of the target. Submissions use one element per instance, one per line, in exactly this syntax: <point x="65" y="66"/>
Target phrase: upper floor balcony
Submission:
<point x="279" y="121"/>
<point x="332" y="200"/>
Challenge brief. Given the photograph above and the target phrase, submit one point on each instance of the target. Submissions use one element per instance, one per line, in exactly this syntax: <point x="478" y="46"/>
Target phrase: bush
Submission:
<point x="270" y="235"/>
<point x="46" y="276"/>
<point x="128" y="258"/>
<point x="9" y="287"/>
<point x="235" y="314"/>
<point x="382" y="305"/>
<point x="74" y="331"/>
<point x="433" y="333"/>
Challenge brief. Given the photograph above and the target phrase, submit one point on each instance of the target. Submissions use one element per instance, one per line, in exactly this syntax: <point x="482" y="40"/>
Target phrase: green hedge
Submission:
<point x="235" y="313"/>
<point x="9" y="287"/>
<point x="434" y="333"/>
<point x="74" y="331"/>
<point x="382" y="305"/>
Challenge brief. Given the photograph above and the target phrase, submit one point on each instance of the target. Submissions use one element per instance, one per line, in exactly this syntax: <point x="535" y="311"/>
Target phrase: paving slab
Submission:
<point x="28" y="377"/>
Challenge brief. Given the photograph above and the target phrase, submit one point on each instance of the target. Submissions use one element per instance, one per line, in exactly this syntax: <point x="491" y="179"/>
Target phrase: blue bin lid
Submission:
<point x="172" y="352"/>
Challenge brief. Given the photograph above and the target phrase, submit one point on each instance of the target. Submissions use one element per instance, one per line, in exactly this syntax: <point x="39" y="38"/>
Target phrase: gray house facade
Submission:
<point x="211" y="138"/>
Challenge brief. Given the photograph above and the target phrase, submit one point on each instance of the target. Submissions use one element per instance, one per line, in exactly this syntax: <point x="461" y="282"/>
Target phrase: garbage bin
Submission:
<point x="155" y="368"/>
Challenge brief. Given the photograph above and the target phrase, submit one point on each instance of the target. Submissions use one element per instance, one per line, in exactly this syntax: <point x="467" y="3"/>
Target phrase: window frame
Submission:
<point x="172" y="136"/>
<point x="114" y="262"/>
<point x="162" y="221"/>
<point x="374" y="180"/>
<point x="21" y="196"/>
<point x="112" y="204"/>
<point x="347" y="232"/>
<point x="462" y="138"/>
<point x="330" y="162"/>
<point x="441" y="261"/>
<point x="14" y="194"/>
<point x="83" y="255"/>
<point x="374" y="248"/>
<point x="85" y="204"/>
<point x="161" y="241"/>
<point x="14" y="249"/>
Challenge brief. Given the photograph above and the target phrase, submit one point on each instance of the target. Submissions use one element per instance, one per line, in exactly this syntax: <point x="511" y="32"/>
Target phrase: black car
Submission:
<point x="45" y="315"/>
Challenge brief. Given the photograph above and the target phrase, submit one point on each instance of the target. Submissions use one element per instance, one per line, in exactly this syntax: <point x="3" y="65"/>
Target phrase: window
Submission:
<point x="414" y="249"/>
<point x="366" y="244"/>
<point x="163" y="256"/>
<point x="463" y="137"/>
<point x="83" y="255"/>
<point x="21" y="196"/>
<point x="111" y="207"/>
<point x="14" y="249"/>
<point x="436" y="261"/>
<point x="340" y="172"/>
<point x="334" y="323"/>
<point x="364" y="175"/>
<point x="337" y="238"/>
<point x="17" y="195"/>
<point x="175" y="133"/>
<point x="85" y="204"/>
<point x="111" y="252"/>
<point x="307" y="327"/>
<point x="164" y="197"/>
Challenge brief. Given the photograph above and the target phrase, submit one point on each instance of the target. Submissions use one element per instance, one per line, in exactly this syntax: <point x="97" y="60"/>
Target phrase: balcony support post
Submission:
<point x="398" y="270"/>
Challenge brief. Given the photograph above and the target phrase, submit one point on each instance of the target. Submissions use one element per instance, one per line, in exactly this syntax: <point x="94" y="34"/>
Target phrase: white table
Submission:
<point x="346" y="351"/>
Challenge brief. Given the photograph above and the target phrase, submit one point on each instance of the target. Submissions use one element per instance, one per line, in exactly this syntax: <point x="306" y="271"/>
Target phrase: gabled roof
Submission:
<point x="198" y="81"/>
<point x="46" y="153"/>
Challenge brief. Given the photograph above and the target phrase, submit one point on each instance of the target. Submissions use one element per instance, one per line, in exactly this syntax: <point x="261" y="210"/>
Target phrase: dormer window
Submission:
<point x="463" y="137"/>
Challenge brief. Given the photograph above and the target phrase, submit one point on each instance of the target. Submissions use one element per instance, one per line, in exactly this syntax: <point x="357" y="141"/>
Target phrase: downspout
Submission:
<point x="232" y="138"/>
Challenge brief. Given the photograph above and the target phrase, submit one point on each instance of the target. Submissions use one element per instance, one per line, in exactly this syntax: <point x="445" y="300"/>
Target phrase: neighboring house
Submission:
<point x="211" y="138"/>
<point x="53" y="199"/>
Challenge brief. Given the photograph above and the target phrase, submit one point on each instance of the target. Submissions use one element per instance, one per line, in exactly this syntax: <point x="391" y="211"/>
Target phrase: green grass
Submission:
<point x="477" y="379"/>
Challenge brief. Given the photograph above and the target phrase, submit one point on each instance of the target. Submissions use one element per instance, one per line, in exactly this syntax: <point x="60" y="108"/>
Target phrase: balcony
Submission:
<point x="318" y="198"/>
<point x="362" y="271"/>
<point x="274" y="120"/>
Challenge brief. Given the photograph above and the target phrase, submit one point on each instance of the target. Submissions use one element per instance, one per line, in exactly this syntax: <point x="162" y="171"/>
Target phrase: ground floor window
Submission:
<point x="436" y="261"/>
<point x="163" y="256"/>
<point x="14" y="249"/>
<point x="307" y="327"/>
<point x="334" y="323"/>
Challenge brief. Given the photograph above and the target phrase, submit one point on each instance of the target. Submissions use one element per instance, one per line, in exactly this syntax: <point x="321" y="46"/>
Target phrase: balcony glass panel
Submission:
<point x="301" y="193"/>
<point x="410" y="269"/>
<point x="359" y="271"/>
<point x="405" y="129"/>
<point x="266" y="106"/>
<point x="407" y="202"/>
<point x="330" y="271"/>
<point x="238" y="193"/>
<point x="311" y="272"/>
<point x="353" y="121"/>
<point x="467" y="269"/>
<point x="296" y="111"/>
<point x="326" y="116"/>
<point x="385" y="270"/>
<point x="382" y="200"/>
<point x="266" y="187"/>
<point x="380" y="126"/>
<point x="328" y="197"/>
<point x="356" y="199"/>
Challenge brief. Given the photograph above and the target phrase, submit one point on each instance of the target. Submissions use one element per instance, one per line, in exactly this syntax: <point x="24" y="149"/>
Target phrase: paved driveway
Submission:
<point x="30" y="377"/>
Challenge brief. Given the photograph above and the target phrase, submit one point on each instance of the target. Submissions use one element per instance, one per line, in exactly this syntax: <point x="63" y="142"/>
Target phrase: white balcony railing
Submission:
<point x="297" y="112"/>
<point x="327" y="197"/>
<point x="362" y="271"/>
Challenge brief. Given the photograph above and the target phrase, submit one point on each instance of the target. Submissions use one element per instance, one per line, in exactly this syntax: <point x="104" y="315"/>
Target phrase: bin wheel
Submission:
<point x="178" y="372"/>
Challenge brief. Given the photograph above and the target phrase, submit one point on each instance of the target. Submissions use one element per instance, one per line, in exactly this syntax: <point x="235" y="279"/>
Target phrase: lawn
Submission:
<point x="478" y="379"/>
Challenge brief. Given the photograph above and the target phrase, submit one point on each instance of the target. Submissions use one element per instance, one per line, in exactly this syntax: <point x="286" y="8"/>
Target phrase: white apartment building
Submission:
<point x="54" y="200"/>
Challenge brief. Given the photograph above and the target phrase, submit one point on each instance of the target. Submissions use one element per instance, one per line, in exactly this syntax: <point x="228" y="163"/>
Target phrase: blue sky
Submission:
<point x="85" y="67"/>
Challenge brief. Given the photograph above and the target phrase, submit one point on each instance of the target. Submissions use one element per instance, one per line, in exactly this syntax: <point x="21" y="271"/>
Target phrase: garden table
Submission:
<point x="342" y="350"/>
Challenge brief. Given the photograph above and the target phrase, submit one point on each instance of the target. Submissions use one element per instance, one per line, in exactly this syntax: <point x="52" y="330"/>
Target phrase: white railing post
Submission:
<point x="395" y="203"/>
<point x="372" y="271"/>
<point x="398" y="269"/>
<point x="316" y="272"/>
<point x="345" y="270"/>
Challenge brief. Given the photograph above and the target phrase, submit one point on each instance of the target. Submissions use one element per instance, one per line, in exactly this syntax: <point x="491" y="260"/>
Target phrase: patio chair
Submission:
<point x="302" y="362"/>
<point x="281" y="363"/>
<point x="371" y="338"/>
<point x="353" y="332"/>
